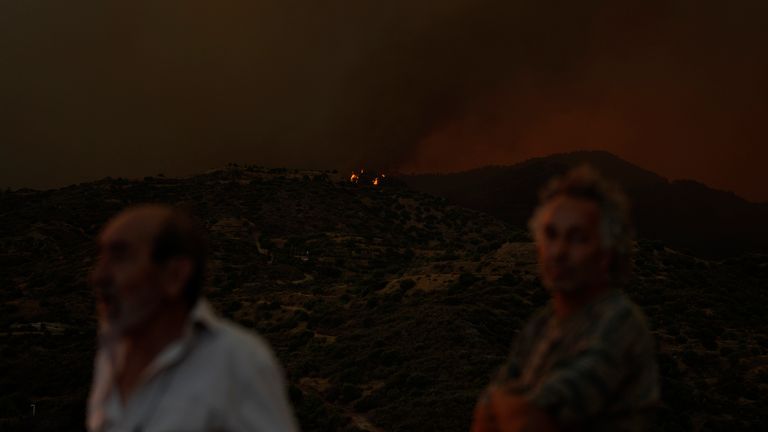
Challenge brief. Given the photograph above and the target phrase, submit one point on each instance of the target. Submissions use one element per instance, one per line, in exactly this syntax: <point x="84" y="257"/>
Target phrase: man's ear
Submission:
<point x="178" y="270"/>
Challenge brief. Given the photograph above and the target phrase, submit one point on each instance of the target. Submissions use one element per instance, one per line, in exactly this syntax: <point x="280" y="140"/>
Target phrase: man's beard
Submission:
<point x="569" y="285"/>
<point x="119" y="318"/>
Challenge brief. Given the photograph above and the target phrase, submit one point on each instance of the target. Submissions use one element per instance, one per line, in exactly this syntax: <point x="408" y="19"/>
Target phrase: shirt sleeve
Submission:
<point x="259" y="400"/>
<point x="510" y="371"/>
<point x="583" y="384"/>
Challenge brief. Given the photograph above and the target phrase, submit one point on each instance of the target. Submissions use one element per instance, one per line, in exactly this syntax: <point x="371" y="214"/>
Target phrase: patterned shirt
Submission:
<point x="593" y="370"/>
<point x="217" y="376"/>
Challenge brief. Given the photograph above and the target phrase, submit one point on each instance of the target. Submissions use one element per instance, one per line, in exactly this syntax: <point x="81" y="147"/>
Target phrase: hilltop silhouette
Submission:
<point x="682" y="213"/>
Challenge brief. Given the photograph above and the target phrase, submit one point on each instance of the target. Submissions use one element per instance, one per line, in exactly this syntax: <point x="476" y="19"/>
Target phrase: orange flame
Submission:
<point x="360" y="176"/>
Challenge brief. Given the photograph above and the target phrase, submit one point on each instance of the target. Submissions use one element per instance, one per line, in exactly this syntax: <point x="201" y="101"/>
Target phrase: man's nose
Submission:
<point x="558" y="249"/>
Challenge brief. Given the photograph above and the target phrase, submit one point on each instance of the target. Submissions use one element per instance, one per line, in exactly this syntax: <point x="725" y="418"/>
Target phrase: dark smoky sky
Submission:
<point x="91" y="88"/>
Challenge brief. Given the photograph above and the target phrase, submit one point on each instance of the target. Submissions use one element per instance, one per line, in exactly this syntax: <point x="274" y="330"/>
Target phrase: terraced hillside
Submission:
<point x="389" y="308"/>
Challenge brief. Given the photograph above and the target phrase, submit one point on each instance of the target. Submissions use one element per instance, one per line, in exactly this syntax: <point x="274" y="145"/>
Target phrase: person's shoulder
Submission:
<point x="622" y="318"/>
<point x="244" y="345"/>
<point x="626" y="305"/>
<point x="230" y="340"/>
<point x="616" y="305"/>
<point x="537" y="322"/>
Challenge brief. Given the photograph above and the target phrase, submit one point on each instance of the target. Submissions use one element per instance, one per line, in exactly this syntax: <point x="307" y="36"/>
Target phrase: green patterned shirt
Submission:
<point x="594" y="370"/>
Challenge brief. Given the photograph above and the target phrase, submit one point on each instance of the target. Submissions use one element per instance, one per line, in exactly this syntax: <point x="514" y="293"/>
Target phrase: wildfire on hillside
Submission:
<point x="361" y="177"/>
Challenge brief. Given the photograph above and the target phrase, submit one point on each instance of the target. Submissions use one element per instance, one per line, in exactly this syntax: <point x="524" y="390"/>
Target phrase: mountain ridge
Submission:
<point x="678" y="212"/>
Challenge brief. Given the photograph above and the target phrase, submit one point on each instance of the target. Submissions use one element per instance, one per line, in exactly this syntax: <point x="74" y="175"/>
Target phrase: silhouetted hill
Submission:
<point x="389" y="308"/>
<point x="683" y="213"/>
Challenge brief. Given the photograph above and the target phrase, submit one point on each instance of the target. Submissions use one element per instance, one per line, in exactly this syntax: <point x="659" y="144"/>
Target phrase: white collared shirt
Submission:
<point x="217" y="377"/>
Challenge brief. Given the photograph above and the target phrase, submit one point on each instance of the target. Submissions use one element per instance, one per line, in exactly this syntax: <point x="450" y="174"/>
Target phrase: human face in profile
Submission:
<point x="126" y="280"/>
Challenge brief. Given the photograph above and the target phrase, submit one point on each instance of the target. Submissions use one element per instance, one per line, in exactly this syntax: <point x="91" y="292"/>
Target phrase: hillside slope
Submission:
<point x="389" y="308"/>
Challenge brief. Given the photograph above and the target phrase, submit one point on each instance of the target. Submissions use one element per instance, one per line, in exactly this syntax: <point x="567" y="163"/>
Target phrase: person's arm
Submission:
<point x="483" y="416"/>
<point x="259" y="399"/>
<point x="483" y="419"/>
<point x="582" y="386"/>
<point x="262" y="404"/>
<point x="521" y="347"/>
<point x="514" y="413"/>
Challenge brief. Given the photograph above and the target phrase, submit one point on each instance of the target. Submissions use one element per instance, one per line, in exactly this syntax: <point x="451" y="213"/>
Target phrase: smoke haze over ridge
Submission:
<point x="93" y="88"/>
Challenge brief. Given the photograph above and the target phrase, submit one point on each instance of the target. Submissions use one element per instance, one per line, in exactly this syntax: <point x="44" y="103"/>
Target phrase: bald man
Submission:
<point x="165" y="361"/>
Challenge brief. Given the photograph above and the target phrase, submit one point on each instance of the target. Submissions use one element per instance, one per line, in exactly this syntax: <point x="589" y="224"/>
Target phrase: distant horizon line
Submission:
<point x="387" y="172"/>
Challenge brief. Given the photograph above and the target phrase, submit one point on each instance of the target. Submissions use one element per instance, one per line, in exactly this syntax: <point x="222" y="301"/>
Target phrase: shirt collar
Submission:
<point x="111" y="356"/>
<point x="202" y="318"/>
<point x="203" y="315"/>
